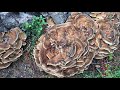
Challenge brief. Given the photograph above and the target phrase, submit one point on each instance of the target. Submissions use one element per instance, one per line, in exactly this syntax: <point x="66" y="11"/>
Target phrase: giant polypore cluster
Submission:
<point x="68" y="48"/>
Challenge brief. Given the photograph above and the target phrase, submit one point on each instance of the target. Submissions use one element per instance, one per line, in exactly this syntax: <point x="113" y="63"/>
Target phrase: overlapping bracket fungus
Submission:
<point x="107" y="33"/>
<point x="68" y="48"/>
<point x="11" y="43"/>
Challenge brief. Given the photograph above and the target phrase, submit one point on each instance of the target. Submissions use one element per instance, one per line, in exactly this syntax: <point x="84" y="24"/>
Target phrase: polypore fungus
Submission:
<point x="11" y="43"/>
<point x="69" y="48"/>
<point x="63" y="50"/>
<point x="107" y="33"/>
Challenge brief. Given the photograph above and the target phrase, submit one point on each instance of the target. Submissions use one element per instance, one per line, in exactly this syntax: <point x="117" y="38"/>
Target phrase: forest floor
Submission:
<point x="25" y="66"/>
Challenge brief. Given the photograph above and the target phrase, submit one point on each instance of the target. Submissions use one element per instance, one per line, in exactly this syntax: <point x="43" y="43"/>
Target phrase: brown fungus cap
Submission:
<point x="63" y="50"/>
<point x="11" y="43"/>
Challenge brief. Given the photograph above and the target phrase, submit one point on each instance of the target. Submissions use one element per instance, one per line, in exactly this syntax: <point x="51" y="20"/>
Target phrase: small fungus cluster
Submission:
<point x="11" y="43"/>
